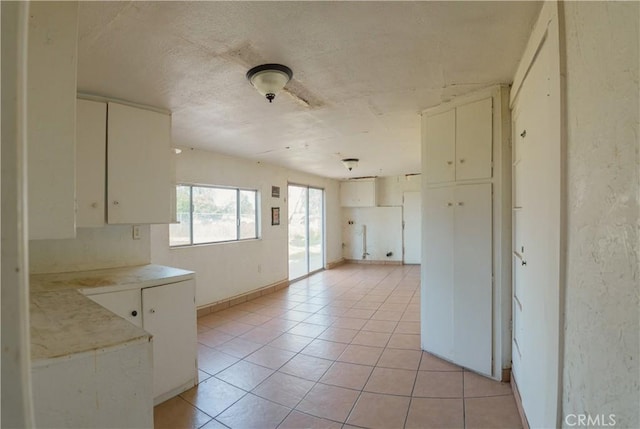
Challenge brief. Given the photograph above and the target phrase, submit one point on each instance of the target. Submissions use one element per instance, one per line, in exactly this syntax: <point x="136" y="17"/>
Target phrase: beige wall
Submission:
<point x="601" y="352"/>
<point x="228" y="269"/>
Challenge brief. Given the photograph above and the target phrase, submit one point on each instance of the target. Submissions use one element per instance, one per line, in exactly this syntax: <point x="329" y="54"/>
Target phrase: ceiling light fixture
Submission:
<point x="269" y="79"/>
<point x="350" y="163"/>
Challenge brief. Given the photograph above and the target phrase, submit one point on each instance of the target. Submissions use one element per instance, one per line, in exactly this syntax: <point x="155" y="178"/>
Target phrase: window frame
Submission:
<point x="237" y="190"/>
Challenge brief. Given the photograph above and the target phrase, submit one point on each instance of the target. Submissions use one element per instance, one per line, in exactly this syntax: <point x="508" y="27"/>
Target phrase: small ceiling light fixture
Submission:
<point x="269" y="79"/>
<point x="350" y="163"/>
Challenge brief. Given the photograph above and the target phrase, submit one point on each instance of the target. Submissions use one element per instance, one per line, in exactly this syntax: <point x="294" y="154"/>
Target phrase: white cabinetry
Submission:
<point x="91" y="162"/>
<point x="358" y="193"/>
<point x="458" y="143"/>
<point x="130" y="147"/>
<point x="168" y="313"/>
<point x="138" y="175"/>
<point x="466" y="240"/>
<point x="51" y="119"/>
<point x="126" y="304"/>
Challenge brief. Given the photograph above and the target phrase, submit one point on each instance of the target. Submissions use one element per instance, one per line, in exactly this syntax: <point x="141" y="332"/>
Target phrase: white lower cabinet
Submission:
<point x="168" y="313"/>
<point x="126" y="304"/>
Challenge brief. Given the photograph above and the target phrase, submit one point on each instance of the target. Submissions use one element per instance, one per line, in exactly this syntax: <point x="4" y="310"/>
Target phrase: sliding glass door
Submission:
<point x="306" y="234"/>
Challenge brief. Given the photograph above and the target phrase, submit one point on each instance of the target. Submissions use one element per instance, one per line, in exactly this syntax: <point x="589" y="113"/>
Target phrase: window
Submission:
<point x="209" y="214"/>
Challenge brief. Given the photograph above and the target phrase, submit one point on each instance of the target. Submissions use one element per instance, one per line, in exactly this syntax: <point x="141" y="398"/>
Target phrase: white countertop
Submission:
<point x="65" y="323"/>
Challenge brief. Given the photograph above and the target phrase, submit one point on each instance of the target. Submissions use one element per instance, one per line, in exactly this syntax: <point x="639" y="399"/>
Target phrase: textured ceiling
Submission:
<point x="363" y="71"/>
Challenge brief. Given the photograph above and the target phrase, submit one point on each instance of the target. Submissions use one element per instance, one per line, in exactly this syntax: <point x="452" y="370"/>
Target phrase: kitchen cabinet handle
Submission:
<point x="460" y="203"/>
<point x="523" y="134"/>
<point x="94" y="205"/>
<point x="152" y="311"/>
<point x="115" y="203"/>
<point x="461" y="160"/>
<point x="449" y="162"/>
<point x="524" y="262"/>
<point x="449" y="204"/>
<point x="134" y="313"/>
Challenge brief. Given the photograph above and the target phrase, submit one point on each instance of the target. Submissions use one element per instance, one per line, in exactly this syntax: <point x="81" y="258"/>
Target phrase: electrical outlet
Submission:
<point x="135" y="232"/>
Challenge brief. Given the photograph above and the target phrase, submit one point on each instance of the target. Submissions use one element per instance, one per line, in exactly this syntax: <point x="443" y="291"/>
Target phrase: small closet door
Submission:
<point x="439" y="135"/>
<point x="473" y="131"/>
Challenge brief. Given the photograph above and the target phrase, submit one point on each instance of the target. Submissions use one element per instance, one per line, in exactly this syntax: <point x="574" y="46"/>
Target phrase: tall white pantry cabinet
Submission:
<point x="466" y="274"/>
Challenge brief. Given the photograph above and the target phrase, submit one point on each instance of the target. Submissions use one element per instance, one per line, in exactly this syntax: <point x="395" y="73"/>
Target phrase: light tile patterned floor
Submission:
<point x="340" y="349"/>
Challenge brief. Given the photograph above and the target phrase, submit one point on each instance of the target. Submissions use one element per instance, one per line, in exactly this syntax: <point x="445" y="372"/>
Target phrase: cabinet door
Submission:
<point x="126" y="304"/>
<point x="358" y="193"/>
<point x="472" y="284"/>
<point x="169" y="314"/>
<point x="439" y="133"/>
<point x="473" y="131"/>
<point x="91" y="135"/>
<point x="51" y="119"/>
<point x="138" y="172"/>
<point x="438" y="267"/>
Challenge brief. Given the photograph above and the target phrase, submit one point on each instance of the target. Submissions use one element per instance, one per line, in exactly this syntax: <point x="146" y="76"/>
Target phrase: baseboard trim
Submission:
<point x="223" y="304"/>
<point x="516" y="395"/>
<point x="335" y="264"/>
<point x="372" y="262"/>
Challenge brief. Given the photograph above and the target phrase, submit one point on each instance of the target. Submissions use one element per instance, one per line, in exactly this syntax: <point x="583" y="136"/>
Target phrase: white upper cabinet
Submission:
<point x="139" y="168"/>
<point x="123" y="165"/>
<point x="358" y="193"/>
<point x="458" y="143"/>
<point x="440" y="142"/>
<point x="91" y="162"/>
<point x="473" y="140"/>
<point x="51" y="118"/>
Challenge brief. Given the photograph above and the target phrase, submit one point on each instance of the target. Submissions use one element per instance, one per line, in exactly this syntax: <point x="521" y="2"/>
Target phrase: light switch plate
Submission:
<point x="135" y="232"/>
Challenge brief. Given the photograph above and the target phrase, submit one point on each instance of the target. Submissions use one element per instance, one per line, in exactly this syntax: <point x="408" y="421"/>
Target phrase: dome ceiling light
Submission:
<point x="269" y="79"/>
<point x="350" y="163"/>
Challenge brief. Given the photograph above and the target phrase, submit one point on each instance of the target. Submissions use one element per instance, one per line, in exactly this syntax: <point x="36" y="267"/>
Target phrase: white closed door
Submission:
<point x="411" y="220"/>
<point x="169" y="315"/>
<point x="474" y="135"/>
<point x="537" y="325"/>
<point x="138" y="165"/>
<point x="439" y="141"/>
<point x="437" y="272"/>
<point x="457" y="268"/>
<point x="91" y="163"/>
<point x="472" y="291"/>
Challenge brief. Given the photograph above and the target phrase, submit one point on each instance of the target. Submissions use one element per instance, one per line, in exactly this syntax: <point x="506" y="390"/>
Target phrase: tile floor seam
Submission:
<point x="464" y="405"/>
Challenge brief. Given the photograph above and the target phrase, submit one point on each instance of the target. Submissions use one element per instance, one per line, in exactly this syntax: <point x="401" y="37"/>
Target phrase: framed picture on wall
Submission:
<point x="275" y="215"/>
<point x="275" y="191"/>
